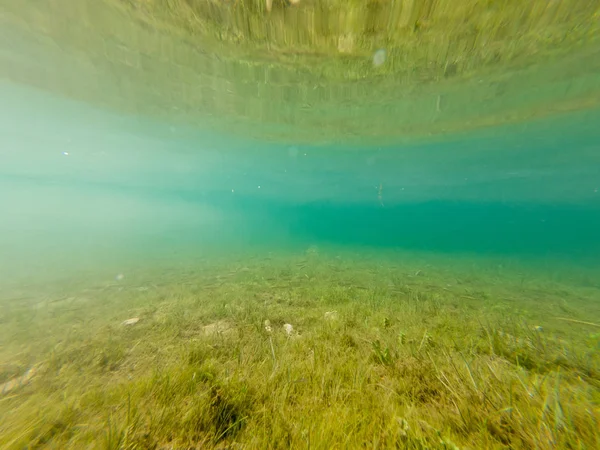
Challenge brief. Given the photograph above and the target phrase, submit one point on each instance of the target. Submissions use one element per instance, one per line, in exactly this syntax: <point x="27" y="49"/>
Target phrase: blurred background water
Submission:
<point x="79" y="182"/>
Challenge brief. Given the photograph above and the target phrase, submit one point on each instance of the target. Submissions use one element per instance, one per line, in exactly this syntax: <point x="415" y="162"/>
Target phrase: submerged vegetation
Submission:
<point x="313" y="349"/>
<point x="316" y="70"/>
<point x="306" y="351"/>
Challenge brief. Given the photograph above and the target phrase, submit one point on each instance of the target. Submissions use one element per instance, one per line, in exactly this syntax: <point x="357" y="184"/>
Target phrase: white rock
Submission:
<point x="221" y="327"/>
<point x="131" y="321"/>
<point x="331" y="315"/>
<point x="379" y="57"/>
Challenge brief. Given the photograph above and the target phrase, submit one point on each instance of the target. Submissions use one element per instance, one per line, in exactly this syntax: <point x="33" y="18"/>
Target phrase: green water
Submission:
<point x="77" y="177"/>
<point x="429" y="225"/>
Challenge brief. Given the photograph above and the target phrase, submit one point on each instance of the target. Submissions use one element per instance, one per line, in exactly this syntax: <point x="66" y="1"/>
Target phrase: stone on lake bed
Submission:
<point x="219" y="327"/>
<point x="331" y="315"/>
<point x="131" y="321"/>
<point x="379" y="57"/>
<point x="17" y="382"/>
<point x="268" y="327"/>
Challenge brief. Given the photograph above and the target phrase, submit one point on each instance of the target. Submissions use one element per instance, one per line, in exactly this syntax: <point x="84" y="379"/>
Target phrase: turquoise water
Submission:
<point x="78" y="179"/>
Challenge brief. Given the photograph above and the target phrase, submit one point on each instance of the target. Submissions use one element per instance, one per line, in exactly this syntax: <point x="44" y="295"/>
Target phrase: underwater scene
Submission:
<point x="307" y="224"/>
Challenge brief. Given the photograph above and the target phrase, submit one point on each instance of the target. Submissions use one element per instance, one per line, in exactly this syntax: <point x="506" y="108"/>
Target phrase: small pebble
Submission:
<point x="131" y="321"/>
<point x="379" y="57"/>
<point x="268" y="328"/>
<point x="331" y="315"/>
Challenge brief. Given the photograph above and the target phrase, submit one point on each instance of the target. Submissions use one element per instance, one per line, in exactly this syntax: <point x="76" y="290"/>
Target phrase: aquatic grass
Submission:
<point x="410" y="364"/>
